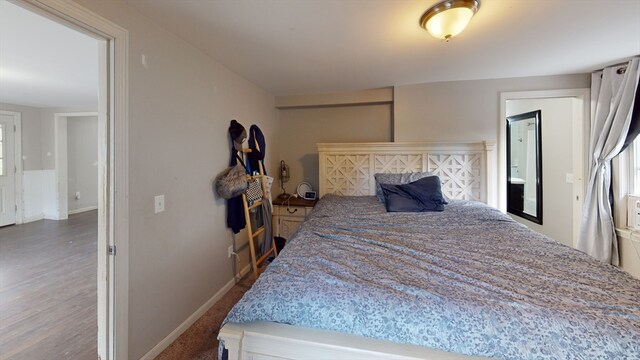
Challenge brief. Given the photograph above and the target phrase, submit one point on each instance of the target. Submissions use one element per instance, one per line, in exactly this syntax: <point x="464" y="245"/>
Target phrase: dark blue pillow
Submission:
<point x="421" y="195"/>
<point x="427" y="191"/>
<point x="398" y="200"/>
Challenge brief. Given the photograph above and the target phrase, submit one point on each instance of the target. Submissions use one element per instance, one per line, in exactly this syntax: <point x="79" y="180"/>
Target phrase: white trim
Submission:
<point x="19" y="169"/>
<point x="169" y="339"/>
<point x="580" y="125"/>
<point x="632" y="189"/>
<point x="17" y="158"/>
<point x="81" y="210"/>
<point x="629" y="234"/>
<point x="402" y="147"/>
<point x="113" y="218"/>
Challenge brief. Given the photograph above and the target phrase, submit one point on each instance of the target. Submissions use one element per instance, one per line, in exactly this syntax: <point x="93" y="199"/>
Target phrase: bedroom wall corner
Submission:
<point x="181" y="102"/>
<point x="464" y="110"/>
<point x="356" y="116"/>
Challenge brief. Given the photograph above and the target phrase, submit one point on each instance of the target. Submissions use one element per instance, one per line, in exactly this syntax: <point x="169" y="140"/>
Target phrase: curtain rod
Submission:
<point x="614" y="65"/>
<point x="619" y="71"/>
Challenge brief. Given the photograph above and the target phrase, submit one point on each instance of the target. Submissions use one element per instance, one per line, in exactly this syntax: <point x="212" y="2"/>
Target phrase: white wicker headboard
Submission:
<point x="467" y="169"/>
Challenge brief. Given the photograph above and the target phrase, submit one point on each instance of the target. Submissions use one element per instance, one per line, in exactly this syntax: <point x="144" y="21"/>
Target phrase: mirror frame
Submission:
<point x="536" y="116"/>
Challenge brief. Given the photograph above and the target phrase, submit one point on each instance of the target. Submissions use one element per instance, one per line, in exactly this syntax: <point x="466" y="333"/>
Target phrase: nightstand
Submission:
<point x="289" y="214"/>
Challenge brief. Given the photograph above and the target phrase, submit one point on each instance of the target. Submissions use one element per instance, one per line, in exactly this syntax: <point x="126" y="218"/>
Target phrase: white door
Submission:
<point x="7" y="169"/>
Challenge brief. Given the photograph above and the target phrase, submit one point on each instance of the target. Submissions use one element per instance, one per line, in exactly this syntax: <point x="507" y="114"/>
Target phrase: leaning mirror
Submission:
<point x="524" y="165"/>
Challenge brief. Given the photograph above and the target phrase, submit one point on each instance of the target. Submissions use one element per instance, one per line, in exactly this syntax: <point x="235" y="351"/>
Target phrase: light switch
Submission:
<point x="569" y="178"/>
<point x="159" y="203"/>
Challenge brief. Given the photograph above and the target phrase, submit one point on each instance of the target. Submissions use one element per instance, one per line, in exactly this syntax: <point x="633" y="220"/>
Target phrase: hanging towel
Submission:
<point x="268" y="231"/>
<point x="268" y="181"/>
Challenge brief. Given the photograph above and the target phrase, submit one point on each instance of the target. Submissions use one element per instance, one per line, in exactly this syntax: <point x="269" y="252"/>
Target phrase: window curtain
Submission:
<point x="613" y="126"/>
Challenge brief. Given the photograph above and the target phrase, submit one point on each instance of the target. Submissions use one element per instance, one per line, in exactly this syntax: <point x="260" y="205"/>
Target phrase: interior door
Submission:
<point x="7" y="169"/>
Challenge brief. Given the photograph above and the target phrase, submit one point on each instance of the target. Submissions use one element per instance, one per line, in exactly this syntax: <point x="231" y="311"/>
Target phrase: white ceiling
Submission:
<point x="296" y="46"/>
<point x="299" y="47"/>
<point x="43" y="63"/>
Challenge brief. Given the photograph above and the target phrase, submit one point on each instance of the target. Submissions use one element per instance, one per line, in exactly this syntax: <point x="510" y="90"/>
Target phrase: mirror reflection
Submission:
<point x="524" y="165"/>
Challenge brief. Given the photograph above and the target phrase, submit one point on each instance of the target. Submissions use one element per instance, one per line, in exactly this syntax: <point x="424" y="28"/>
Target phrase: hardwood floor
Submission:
<point x="48" y="276"/>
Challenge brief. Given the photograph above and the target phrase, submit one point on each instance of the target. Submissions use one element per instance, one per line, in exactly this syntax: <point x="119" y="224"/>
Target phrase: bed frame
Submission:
<point x="467" y="171"/>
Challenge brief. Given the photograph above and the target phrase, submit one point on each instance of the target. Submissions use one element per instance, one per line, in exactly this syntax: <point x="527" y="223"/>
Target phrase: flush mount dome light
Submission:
<point x="448" y="18"/>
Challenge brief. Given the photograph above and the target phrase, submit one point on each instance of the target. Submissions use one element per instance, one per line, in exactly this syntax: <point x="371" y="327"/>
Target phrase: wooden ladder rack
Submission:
<point x="255" y="233"/>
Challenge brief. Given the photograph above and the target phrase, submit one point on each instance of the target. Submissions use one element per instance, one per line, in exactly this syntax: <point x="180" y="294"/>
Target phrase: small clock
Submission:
<point x="309" y="195"/>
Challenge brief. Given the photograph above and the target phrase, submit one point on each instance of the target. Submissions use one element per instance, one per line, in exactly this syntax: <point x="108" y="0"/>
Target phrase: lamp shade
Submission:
<point x="448" y="18"/>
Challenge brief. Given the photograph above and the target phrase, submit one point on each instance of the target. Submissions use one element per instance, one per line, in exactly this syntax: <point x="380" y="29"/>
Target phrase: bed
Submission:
<point x="356" y="282"/>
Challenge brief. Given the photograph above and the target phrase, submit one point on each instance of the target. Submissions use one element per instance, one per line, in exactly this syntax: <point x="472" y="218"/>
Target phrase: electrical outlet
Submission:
<point x="159" y="203"/>
<point x="230" y="251"/>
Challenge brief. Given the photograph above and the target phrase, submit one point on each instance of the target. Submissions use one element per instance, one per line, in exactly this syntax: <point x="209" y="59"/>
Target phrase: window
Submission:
<point x="634" y="172"/>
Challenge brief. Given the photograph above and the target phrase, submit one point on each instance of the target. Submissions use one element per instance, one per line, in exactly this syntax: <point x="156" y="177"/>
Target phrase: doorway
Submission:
<point x="564" y="122"/>
<point x="76" y="145"/>
<point x="112" y="229"/>
<point x="10" y="166"/>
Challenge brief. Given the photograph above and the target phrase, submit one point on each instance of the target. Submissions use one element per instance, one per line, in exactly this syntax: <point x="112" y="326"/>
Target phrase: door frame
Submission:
<point x="17" y="158"/>
<point x="580" y="125"/>
<point x="113" y="207"/>
<point x="61" y="159"/>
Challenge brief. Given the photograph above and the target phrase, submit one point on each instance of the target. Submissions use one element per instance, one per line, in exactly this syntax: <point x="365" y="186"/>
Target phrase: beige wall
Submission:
<point x="444" y="111"/>
<point x="463" y="110"/>
<point x="38" y="147"/>
<point x="302" y="128"/>
<point x="180" y="106"/>
<point x="82" y="162"/>
<point x="557" y="161"/>
<point x="47" y="138"/>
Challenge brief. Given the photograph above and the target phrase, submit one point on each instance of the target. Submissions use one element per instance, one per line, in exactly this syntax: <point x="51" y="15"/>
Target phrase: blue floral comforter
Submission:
<point x="468" y="280"/>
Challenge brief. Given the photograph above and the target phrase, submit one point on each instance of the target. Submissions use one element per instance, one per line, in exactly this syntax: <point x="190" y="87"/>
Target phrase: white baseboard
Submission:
<point x="33" y="218"/>
<point x="153" y="353"/>
<point x="81" y="210"/>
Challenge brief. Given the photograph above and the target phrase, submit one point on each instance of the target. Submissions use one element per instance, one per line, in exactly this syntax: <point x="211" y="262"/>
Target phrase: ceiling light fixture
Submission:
<point x="448" y="18"/>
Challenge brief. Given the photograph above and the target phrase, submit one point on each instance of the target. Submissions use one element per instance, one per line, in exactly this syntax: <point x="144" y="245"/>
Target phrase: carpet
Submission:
<point x="200" y="341"/>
